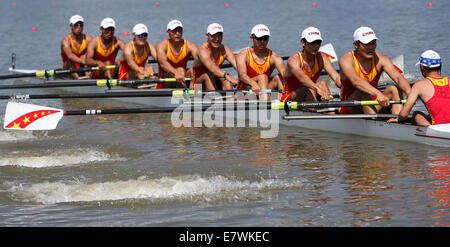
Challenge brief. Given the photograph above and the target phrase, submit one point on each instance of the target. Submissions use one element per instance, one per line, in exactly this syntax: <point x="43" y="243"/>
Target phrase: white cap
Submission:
<point x="311" y="34"/>
<point x="214" y="28"/>
<point x="108" y="22"/>
<point x="430" y="59"/>
<point x="260" y="30"/>
<point x="364" y="35"/>
<point x="140" y="29"/>
<point x="174" y="24"/>
<point x="76" y="18"/>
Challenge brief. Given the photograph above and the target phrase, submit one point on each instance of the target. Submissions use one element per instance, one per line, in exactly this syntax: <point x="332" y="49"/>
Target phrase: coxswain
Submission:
<point x="433" y="90"/>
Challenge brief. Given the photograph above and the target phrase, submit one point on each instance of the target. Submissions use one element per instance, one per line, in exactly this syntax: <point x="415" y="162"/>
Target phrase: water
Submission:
<point x="137" y="170"/>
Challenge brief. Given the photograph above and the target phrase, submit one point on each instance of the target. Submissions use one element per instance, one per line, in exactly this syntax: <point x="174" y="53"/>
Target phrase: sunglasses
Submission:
<point x="263" y="38"/>
<point x="315" y="42"/>
<point x="142" y="35"/>
<point x="109" y="29"/>
<point x="78" y="24"/>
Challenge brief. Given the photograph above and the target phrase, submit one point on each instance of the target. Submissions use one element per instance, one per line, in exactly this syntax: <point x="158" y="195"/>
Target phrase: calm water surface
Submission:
<point x="138" y="170"/>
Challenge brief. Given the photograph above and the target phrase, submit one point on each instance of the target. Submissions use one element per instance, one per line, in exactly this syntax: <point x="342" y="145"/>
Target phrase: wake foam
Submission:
<point x="191" y="188"/>
<point x="54" y="158"/>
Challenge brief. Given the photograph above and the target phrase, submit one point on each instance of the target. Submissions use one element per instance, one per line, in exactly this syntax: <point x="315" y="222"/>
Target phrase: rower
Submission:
<point x="173" y="55"/>
<point x="256" y="64"/>
<point x="209" y="59"/>
<point x="73" y="46"/>
<point x="304" y="68"/>
<point x="103" y="49"/>
<point x="135" y="56"/>
<point x="360" y="71"/>
<point x="433" y="90"/>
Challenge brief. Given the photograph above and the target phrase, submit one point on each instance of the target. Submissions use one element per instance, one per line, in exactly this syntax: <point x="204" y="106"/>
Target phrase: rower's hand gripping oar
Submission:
<point x="293" y="105"/>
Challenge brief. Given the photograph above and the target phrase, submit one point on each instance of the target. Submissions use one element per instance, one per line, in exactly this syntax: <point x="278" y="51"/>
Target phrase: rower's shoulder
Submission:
<point x="242" y="53"/>
<point x="66" y="38"/>
<point x="119" y="40"/>
<point x="191" y="45"/>
<point x="422" y="83"/>
<point x="162" y="44"/>
<point x="346" y="58"/>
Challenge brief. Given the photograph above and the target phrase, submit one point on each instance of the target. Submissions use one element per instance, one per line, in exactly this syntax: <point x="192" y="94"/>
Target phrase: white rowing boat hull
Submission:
<point x="438" y="135"/>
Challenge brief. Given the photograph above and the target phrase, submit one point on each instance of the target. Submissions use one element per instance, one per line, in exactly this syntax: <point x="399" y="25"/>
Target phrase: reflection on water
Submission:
<point x="440" y="170"/>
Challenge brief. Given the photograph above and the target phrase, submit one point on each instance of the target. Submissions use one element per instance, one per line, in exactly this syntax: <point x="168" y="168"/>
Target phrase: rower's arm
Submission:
<point x="331" y="71"/>
<point x="293" y="65"/>
<point x="152" y="50"/>
<point x="204" y="56"/>
<point x="410" y="102"/>
<point x="347" y="68"/>
<point x="65" y="44"/>
<point x="395" y="75"/>
<point x="230" y="57"/>
<point x="279" y="65"/>
<point x="90" y="50"/>
<point x="120" y="44"/>
<point x="192" y="48"/>
<point x="241" y="63"/>
<point x="161" y="50"/>
<point x="128" y="55"/>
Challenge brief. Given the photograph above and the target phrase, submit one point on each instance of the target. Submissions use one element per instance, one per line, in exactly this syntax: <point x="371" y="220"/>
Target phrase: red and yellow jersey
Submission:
<point x="198" y="71"/>
<point x="176" y="60"/>
<point x="438" y="105"/>
<point x="140" y="61"/>
<point x="347" y="89"/>
<point x="255" y="69"/>
<point x="78" y="51"/>
<point x="104" y="55"/>
<point x="292" y="83"/>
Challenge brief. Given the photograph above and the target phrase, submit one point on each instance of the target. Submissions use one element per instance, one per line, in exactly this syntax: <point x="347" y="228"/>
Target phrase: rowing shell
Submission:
<point x="437" y="135"/>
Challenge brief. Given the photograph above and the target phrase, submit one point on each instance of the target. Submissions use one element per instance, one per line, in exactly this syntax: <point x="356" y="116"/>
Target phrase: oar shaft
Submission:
<point x="52" y="72"/>
<point x="304" y="105"/>
<point x="83" y="83"/>
<point x="80" y="70"/>
<point x="345" y="116"/>
<point x="186" y="108"/>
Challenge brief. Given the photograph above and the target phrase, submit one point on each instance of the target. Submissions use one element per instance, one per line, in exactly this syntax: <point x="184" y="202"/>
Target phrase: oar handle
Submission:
<point x="67" y="71"/>
<point x="293" y="105"/>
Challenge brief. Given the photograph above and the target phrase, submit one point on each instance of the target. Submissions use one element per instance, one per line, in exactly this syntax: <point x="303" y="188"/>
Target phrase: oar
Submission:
<point x="181" y="93"/>
<point x="52" y="72"/>
<point x="336" y="116"/>
<point x="24" y="116"/>
<point x="100" y="83"/>
<point x="293" y="105"/>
